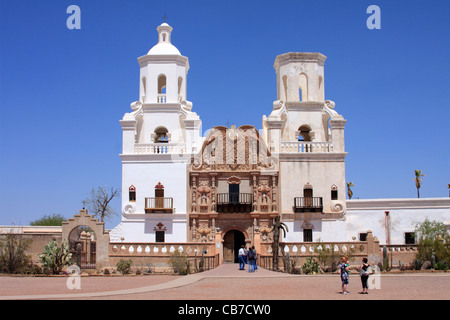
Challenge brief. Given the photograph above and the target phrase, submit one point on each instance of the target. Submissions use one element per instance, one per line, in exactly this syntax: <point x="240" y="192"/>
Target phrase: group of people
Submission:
<point x="247" y="256"/>
<point x="344" y="270"/>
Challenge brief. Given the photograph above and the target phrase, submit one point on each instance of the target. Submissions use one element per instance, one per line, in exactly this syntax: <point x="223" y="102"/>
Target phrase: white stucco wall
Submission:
<point x="323" y="230"/>
<point x="363" y="215"/>
<point x="142" y="230"/>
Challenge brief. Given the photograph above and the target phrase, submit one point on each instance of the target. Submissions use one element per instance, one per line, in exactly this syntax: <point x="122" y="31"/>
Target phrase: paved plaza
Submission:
<point x="228" y="283"/>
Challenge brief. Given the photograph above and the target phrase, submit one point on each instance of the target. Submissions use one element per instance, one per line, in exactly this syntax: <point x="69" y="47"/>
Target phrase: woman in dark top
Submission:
<point x="364" y="272"/>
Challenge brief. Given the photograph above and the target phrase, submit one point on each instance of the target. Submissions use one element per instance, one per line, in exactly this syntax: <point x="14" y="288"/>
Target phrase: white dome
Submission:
<point x="164" y="48"/>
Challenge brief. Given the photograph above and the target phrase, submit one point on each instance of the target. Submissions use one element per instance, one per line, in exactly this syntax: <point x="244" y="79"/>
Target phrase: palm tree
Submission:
<point x="276" y="239"/>
<point x="349" y="191"/>
<point x="418" y="180"/>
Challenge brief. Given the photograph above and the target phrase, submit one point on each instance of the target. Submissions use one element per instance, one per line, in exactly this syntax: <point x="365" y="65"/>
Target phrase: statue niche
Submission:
<point x="264" y="195"/>
<point x="204" y="196"/>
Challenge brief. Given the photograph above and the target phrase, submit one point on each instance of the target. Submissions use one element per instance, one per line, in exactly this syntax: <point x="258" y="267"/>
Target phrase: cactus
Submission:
<point x="55" y="258"/>
<point x="385" y="259"/>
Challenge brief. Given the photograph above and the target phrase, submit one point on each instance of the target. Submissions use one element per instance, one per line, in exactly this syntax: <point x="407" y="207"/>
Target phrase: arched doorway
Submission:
<point x="232" y="241"/>
<point x="82" y="245"/>
<point x="93" y="231"/>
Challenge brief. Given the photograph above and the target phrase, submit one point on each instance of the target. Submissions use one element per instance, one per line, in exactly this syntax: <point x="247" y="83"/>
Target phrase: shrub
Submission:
<point x="179" y="262"/>
<point x="441" y="265"/>
<point x="124" y="266"/>
<point x="13" y="258"/>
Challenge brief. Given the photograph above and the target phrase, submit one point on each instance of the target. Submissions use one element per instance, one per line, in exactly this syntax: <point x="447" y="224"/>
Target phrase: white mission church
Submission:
<point x="179" y="186"/>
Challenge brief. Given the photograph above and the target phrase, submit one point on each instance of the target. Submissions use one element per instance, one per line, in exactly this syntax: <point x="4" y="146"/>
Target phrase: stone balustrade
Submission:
<point x="159" y="148"/>
<point x="305" y="147"/>
<point x="158" y="249"/>
<point x="307" y="249"/>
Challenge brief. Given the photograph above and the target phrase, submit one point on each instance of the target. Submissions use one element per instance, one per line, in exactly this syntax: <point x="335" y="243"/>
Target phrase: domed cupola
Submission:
<point x="163" y="71"/>
<point x="164" y="46"/>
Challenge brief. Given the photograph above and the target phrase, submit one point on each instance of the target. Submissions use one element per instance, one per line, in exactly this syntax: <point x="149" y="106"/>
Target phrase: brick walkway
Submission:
<point x="228" y="283"/>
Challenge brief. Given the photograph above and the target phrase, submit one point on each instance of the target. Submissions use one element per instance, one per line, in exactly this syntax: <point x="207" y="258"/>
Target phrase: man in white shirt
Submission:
<point x="241" y="256"/>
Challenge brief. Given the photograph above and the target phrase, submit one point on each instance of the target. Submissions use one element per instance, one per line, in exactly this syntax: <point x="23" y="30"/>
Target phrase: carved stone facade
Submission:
<point x="233" y="185"/>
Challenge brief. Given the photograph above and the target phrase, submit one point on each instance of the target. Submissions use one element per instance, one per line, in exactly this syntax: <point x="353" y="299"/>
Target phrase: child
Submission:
<point x="343" y="271"/>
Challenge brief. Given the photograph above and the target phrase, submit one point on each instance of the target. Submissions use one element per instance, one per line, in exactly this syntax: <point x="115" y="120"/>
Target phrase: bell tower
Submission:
<point x="307" y="135"/>
<point x="158" y="136"/>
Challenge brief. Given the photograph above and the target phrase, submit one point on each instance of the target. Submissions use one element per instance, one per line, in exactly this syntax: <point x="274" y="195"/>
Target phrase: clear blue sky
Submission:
<point x="63" y="92"/>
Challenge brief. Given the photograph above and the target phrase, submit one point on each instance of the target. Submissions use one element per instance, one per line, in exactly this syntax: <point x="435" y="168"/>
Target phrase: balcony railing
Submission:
<point x="234" y="202"/>
<point x="308" y="204"/>
<point x="159" y="148"/>
<point x="303" y="147"/>
<point x="161" y="98"/>
<point x="158" y="205"/>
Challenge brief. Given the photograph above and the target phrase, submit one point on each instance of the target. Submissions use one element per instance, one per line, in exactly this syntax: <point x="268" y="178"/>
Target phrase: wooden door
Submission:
<point x="159" y="198"/>
<point x="228" y="247"/>
<point x="308" y="195"/>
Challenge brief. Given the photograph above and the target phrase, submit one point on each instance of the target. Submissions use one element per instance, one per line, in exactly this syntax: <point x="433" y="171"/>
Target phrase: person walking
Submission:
<point x="364" y="273"/>
<point x="251" y="260"/>
<point x="343" y="271"/>
<point x="241" y="257"/>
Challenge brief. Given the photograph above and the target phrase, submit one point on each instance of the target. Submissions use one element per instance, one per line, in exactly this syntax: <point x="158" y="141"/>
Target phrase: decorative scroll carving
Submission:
<point x="234" y="180"/>
<point x="160" y="227"/>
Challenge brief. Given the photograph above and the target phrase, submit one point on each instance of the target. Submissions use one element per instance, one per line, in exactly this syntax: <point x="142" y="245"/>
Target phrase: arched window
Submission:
<point x="132" y="193"/>
<point x="161" y="135"/>
<point x="304" y="133"/>
<point x="285" y="89"/>
<point x="180" y="85"/>
<point x="144" y="88"/>
<point x="162" y="81"/>
<point x="303" y="87"/>
<point x="321" y="91"/>
<point x="334" y="192"/>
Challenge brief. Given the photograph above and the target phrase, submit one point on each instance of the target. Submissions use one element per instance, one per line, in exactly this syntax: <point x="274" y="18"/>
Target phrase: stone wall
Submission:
<point x="40" y="236"/>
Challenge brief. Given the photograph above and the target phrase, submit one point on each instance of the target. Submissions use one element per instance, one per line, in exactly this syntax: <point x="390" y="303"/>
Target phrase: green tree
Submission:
<point x="418" y="180"/>
<point x="433" y="241"/>
<point x="47" y="220"/>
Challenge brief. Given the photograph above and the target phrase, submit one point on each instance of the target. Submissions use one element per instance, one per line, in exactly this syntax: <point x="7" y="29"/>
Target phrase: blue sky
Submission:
<point x="63" y="92"/>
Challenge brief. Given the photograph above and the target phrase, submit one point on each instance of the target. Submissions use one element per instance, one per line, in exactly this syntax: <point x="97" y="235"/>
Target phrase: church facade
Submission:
<point x="180" y="186"/>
